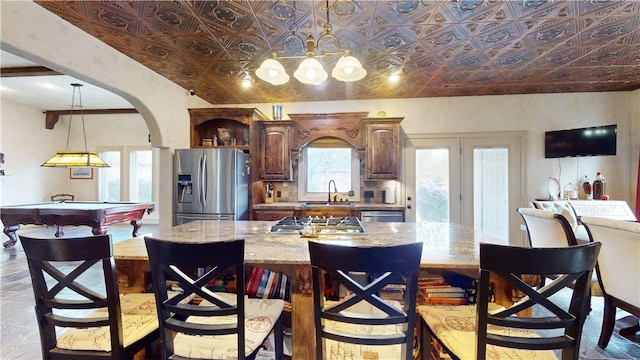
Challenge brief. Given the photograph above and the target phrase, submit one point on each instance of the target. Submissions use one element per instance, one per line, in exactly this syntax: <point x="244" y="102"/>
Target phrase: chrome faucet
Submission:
<point x="335" y="190"/>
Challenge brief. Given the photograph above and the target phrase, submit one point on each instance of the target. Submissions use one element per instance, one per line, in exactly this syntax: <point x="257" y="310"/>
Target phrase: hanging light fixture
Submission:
<point x="81" y="159"/>
<point x="348" y="69"/>
<point x="310" y="70"/>
<point x="272" y="72"/>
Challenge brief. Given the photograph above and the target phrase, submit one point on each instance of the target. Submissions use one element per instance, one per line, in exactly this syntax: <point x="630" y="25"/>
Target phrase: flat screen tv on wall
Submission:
<point x="590" y="141"/>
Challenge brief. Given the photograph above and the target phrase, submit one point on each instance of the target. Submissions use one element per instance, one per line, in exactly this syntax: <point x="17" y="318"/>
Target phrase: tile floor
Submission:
<point x="19" y="338"/>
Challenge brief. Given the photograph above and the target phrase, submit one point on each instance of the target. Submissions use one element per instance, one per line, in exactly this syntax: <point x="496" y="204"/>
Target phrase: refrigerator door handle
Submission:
<point x="203" y="183"/>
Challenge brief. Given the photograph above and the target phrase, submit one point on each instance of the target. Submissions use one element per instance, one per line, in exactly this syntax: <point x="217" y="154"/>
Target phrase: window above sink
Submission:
<point x="328" y="159"/>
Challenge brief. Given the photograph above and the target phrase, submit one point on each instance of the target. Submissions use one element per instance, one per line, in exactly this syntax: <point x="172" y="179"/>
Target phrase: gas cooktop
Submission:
<point x="331" y="225"/>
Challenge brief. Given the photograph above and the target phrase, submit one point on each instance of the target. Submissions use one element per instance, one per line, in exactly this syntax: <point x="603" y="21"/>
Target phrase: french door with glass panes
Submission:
<point x="473" y="179"/>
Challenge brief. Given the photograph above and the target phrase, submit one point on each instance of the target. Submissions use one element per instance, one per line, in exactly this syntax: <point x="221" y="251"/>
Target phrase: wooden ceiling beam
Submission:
<point x="27" y="71"/>
<point x="52" y="116"/>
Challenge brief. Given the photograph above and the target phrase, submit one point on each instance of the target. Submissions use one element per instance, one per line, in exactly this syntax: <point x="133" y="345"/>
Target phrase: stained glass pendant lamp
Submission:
<point x="79" y="159"/>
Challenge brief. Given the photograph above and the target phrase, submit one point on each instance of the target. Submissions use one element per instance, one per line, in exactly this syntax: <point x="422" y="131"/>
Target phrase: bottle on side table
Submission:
<point x="599" y="187"/>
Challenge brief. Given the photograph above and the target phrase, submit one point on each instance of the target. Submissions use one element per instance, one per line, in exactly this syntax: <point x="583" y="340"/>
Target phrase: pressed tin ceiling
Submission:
<point x="439" y="48"/>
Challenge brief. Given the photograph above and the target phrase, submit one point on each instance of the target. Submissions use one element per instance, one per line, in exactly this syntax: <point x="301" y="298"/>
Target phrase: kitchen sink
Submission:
<point x="325" y="203"/>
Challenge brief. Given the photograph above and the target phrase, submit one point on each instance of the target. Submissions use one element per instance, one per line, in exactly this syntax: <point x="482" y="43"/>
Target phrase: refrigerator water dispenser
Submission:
<point x="185" y="188"/>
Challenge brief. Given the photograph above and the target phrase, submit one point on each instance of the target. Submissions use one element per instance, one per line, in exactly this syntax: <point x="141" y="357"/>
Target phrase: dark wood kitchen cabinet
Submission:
<point x="274" y="158"/>
<point x="272" y="215"/>
<point x="328" y="211"/>
<point x="382" y="148"/>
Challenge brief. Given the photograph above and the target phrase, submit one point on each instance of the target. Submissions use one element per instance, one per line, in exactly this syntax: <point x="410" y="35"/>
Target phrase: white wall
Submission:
<point x="26" y="144"/>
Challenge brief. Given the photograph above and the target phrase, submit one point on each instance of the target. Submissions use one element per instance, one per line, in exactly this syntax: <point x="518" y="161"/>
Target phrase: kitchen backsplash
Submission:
<point x="373" y="193"/>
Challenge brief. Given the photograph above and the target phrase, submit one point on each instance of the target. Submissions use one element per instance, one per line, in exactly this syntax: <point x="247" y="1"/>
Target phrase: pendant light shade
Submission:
<point x="348" y="69"/>
<point x="272" y="72"/>
<point x="76" y="159"/>
<point x="311" y="72"/>
<point x="79" y="159"/>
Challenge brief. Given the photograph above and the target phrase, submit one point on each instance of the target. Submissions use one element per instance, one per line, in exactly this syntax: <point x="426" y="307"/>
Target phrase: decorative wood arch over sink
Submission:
<point x="376" y="139"/>
<point x="347" y="126"/>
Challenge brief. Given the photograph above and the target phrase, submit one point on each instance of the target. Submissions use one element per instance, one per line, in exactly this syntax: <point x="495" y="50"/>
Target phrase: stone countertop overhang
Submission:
<point x="446" y="245"/>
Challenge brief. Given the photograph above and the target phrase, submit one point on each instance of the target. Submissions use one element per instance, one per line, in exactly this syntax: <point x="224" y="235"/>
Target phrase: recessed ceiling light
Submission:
<point x="394" y="77"/>
<point x="246" y="83"/>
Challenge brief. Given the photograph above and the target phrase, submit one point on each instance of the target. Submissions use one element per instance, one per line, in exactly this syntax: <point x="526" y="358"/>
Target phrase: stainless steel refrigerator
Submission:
<point x="210" y="184"/>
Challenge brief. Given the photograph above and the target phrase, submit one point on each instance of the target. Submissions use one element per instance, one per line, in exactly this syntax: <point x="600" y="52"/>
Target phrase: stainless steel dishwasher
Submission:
<point x="382" y="216"/>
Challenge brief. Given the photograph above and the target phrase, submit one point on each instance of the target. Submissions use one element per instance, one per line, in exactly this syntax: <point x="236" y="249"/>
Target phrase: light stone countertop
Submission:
<point x="446" y="246"/>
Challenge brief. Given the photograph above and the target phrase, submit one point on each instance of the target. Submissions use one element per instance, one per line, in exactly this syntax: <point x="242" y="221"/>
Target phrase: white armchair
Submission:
<point x="573" y="211"/>
<point x="566" y="209"/>
<point x="618" y="268"/>
<point x="547" y="229"/>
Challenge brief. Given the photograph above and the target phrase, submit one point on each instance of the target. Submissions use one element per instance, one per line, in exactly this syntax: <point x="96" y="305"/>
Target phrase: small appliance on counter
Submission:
<point x="390" y="194"/>
<point x="268" y="196"/>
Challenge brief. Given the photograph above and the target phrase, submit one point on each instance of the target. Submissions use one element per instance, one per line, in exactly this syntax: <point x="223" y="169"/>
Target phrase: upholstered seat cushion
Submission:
<point x="340" y="350"/>
<point x="565" y="209"/>
<point x="455" y="326"/>
<point x="260" y="317"/>
<point x="139" y="319"/>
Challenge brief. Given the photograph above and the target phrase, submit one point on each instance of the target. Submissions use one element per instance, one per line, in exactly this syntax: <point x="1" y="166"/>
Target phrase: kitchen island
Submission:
<point x="446" y="247"/>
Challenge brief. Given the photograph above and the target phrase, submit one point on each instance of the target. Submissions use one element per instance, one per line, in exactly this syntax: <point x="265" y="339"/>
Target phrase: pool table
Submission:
<point x="98" y="215"/>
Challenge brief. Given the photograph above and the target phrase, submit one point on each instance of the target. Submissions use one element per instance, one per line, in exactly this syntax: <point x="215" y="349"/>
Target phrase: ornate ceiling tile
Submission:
<point x="556" y="58"/>
<point x="512" y="59"/>
<point x="439" y="48"/>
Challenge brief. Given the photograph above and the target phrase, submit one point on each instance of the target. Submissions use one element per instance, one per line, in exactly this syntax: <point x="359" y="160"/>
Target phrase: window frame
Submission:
<point x="100" y="175"/>
<point x="125" y="170"/>
<point x="304" y="195"/>
<point x="130" y="151"/>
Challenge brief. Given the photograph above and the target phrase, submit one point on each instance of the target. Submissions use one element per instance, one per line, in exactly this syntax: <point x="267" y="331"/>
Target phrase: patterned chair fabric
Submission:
<point x="487" y="331"/>
<point x="199" y="323"/>
<point x="363" y="325"/>
<point x="95" y="321"/>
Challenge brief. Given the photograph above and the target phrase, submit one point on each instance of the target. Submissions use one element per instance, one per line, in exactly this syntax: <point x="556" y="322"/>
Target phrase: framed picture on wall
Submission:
<point x="81" y="173"/>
